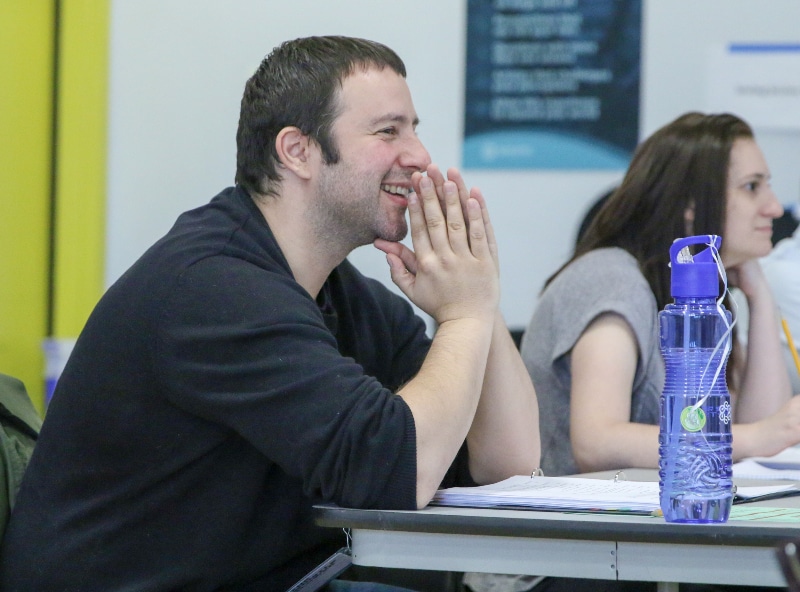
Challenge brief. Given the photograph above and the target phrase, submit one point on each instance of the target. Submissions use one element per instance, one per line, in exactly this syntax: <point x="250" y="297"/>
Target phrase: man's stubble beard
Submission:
<point x="349" y="210"/>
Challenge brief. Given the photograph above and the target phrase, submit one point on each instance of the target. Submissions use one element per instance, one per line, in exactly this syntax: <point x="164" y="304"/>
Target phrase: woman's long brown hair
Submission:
<point x="682" y="166"/>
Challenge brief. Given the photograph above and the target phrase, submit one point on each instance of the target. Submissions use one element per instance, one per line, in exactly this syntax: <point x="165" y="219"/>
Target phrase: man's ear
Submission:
<point x="294" y="151"/>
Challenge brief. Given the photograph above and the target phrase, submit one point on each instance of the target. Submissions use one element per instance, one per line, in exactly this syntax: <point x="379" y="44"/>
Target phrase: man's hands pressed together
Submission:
<point x="452" y="272"/>
<point x="472" y="384"/>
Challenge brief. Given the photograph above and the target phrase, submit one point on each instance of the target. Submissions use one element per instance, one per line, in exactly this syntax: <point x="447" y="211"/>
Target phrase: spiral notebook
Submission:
<point x="578" y="494"/>
<point x="556" y="493"/>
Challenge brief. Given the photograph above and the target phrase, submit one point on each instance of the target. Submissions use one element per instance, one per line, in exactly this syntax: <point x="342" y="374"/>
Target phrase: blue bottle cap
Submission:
<point x="694" y="276"/>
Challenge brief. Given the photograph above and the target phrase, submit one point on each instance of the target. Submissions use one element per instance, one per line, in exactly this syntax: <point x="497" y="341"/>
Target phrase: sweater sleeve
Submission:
<point x="602" y="281"/>
<point x="247" y="348"/>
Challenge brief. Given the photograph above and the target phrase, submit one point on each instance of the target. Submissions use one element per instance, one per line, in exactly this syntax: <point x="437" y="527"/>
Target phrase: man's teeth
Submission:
<point x="396" y="189"/>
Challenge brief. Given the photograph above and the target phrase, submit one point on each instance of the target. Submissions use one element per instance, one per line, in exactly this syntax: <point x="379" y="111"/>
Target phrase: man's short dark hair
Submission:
<point x="296" y="85"/>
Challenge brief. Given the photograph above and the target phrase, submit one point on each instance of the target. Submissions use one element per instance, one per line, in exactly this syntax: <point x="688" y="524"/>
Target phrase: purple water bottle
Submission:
<point x="695" y="429"/>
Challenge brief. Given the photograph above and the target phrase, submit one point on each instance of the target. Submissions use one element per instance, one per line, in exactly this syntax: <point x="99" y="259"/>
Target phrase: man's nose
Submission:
<point x="415" y="155"/>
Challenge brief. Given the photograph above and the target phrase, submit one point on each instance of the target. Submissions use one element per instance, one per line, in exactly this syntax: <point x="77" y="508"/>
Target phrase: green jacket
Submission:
<point x="19" y="428"/>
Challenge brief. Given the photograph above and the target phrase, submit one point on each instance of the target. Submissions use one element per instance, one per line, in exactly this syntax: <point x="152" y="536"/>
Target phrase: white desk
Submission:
<point x="602" y="546"/>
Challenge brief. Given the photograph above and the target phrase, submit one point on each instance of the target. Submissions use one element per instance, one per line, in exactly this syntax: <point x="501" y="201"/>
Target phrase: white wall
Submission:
<point x="178" y="68"/>
<point x="679" y="36"/>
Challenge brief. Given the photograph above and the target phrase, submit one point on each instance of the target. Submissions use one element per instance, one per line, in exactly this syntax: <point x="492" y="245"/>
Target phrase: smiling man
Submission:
<point x="242" y="370"/>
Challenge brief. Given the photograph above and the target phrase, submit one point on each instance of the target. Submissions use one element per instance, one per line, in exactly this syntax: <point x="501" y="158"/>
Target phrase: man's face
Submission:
<point x="364" y="195"/>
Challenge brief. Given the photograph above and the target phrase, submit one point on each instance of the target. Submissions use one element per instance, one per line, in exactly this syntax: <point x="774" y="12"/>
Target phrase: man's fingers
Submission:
<point x="400" y="251"/>
<point x="442" y="216"/>
<point x="435" y="175"/>
<point x="420" y="237"/>
<point x="452" y="266"/>
<point x="457" y="226"/>
<point x="434" y="224"/>
<point x="478" y="242"/>
<point x="454" y="175"/>
<point x="465" y="193"/>
<point x="476" y="194"/>
<point x="400" y="274"/>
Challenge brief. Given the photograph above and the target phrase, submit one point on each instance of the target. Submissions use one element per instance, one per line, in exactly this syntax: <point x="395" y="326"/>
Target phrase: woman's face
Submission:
<point x="751" y="205"/>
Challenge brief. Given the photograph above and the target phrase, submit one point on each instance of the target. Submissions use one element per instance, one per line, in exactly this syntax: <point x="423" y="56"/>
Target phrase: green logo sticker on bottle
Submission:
<point x="693" y="419"/>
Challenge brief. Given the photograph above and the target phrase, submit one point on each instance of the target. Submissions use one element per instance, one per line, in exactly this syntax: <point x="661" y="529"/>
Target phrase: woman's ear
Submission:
<point x="688" y="219"/>
<point x="294" y="151"/>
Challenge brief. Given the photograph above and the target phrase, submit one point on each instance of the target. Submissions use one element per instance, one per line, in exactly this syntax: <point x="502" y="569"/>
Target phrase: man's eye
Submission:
<point x="389" y="131"/>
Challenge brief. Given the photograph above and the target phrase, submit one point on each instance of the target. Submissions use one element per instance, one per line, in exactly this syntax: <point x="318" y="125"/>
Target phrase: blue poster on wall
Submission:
<point x="552" y="84"/>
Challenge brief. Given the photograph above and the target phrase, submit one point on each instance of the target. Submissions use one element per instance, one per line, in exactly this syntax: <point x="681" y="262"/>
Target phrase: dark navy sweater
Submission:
<point x="208" y="404"/>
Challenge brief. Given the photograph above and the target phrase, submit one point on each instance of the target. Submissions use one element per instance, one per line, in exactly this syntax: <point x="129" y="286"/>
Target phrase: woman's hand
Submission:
<point x="761" y="382"/>
<point x="749" y="278"/>
<point x="770" y="435"/>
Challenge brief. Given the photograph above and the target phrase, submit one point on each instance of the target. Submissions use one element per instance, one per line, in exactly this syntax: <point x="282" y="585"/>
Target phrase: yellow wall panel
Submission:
<point x="81" y="157"/>
<point x="26" y="56"/>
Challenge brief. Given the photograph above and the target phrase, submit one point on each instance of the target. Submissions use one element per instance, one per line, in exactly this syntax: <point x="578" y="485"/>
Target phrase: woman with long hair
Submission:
<point x="592" y="345"/>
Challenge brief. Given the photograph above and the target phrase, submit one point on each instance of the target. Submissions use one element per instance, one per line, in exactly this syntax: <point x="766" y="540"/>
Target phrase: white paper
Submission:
<point x="572" y="493"/>
<point x="782" y="466"/>
<point x="556" y="493"/>
<point x="747" y="493"/>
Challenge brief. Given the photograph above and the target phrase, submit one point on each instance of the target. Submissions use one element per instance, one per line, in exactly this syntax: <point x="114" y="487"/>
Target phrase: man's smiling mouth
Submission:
<point x="396" y="190"/>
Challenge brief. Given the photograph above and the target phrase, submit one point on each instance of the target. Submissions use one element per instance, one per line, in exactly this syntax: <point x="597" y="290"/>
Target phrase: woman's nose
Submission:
<point x="774" y="209"/>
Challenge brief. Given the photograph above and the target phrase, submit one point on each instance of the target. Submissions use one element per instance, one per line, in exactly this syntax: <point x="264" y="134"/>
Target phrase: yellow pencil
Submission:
<point x="792" y="346"/>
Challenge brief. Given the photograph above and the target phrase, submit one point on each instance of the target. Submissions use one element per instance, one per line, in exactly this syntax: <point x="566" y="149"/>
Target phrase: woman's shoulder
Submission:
<point x="608" y="255"/>
<point x="605" y="264"/>
<point x="608" y="278"/>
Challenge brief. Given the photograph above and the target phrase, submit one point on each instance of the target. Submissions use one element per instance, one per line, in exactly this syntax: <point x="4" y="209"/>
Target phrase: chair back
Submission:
<point x="19" y="428"/>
